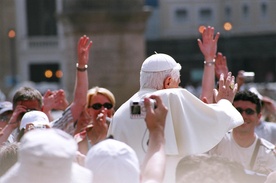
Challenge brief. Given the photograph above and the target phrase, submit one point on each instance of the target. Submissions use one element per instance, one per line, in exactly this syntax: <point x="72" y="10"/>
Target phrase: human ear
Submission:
<point x="167" y="82"/>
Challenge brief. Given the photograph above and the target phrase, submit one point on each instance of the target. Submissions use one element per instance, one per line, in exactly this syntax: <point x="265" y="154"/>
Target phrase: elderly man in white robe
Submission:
<point x="192" y="126"/>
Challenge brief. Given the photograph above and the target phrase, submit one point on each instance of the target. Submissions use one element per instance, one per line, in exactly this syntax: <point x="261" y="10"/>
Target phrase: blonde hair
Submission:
<point x="103" y="91"/>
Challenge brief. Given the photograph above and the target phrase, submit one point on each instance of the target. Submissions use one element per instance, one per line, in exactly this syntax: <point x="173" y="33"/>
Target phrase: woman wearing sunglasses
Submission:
<point x="93" y="123"/>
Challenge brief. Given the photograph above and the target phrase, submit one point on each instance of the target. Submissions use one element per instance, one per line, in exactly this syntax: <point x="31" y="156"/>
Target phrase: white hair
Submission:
<point x="155" y="80"/>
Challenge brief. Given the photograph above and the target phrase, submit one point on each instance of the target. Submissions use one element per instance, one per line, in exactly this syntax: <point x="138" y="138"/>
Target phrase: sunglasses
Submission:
<point x="98" y="106"/>
<point x="247" y="111"/>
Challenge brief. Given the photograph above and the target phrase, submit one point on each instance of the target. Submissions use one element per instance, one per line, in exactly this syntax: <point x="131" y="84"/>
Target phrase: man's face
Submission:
<point x="28" y="105"/>
<point x="249" y="114"/>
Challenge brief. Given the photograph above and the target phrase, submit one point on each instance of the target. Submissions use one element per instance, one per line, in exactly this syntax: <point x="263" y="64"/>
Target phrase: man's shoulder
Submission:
<point x="227" y="139"/>
<point x="271" y="125"/>
<point x="176" y="94"/>
<point x="267" y="144"/>
<point x="172" y="91"/>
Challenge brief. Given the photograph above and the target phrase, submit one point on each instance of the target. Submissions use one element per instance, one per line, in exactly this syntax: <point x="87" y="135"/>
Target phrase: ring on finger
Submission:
<point x="231" y="86"/>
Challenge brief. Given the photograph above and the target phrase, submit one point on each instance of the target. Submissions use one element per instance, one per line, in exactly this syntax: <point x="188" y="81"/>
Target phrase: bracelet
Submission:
<point x="81" y="69"/>
<point x="210" y="63"/>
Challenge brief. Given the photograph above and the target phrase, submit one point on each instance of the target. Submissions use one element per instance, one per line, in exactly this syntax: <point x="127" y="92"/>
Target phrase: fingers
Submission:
<point x="208" y="32"/>
<point x="85" y="43"/>
<point x="157" y="99"/>
<point x="221" y="81"/>
<point x="235" y="88"/>
<point x="199" y="42"/>
<point x="102" y="118"/>
<point x="148" y="107"/>
<point x="217" y="37"/>
<point x="227" y="88"/>
<point x="89" y="45"/>
<point x="159" y="103"/>
<point x="228" y="80"/>
<point x="215" y="91"/>
<point x="47" y="93"/>
<point x="204" y="99"/>
<point x="219" y="59"/>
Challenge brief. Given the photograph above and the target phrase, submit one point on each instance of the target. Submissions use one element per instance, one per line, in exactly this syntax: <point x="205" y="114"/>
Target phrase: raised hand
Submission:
<point x="227" y="88"/>
<point x="54" y="100"/>
<point x="83" y="51"/>
<point x="208" y="45"/>
<point x="240" y="78"/>
<point x="99" y="128"/>
<point x="221" y="66"/>
<point x="17" y="114"/>
<point x="155" y="118"/>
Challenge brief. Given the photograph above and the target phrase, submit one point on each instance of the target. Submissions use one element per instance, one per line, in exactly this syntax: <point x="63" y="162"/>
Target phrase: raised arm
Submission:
<point x="81" y="84"/>
<point x="12" y="124"/>
<point x="153" y="167"/>
<point x="208" y="47"/>
<point x="81" y="87"/>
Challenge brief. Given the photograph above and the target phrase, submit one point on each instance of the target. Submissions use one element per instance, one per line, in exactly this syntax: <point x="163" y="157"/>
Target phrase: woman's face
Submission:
<point x="98" y="103"/>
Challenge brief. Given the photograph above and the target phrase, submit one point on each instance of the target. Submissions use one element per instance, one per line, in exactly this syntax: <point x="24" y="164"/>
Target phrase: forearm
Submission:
<point x="5" y="133"/>
<point x="80" y="92"/>
<point x="49" y="114"/>
<point x="153" y="166"/>
<point x="208" y="80"/>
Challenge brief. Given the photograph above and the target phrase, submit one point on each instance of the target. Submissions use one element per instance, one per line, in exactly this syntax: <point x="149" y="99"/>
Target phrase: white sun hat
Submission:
<point x="47" y="156"/>
<point x="113" y="161"/>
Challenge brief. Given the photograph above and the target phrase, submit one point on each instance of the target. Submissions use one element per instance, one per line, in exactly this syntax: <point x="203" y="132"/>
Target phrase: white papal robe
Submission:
<point x="191" y="125"/>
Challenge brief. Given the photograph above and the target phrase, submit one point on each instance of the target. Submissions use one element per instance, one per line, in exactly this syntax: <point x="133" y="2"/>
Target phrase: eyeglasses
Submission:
<point x="247" y="111"/>
<point x="98" y="106"/>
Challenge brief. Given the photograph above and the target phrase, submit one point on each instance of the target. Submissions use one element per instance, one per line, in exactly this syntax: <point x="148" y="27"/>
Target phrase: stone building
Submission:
<point x="248" y="34"/>
<point x="41" y="35"/>
<point x="47" y="32"/>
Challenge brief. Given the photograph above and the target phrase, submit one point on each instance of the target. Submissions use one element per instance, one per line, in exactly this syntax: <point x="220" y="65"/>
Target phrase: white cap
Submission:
<point x="159" y="62"/>
<point x="113" y="161"/>
<point x="5" y="106"/>
<point x="34" y="117"/>
<point x="47" y="156"/>
<point x="255" y="91"/>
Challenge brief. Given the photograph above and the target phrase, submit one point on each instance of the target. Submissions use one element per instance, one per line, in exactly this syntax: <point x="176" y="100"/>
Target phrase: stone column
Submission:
<point x="118" y="48"/>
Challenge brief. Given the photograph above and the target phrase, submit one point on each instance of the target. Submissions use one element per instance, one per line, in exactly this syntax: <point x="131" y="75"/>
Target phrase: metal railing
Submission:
<point x="42" y="42"/>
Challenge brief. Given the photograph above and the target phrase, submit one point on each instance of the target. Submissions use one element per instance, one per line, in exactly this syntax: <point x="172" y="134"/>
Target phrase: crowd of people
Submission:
<point x="162" y="134"/>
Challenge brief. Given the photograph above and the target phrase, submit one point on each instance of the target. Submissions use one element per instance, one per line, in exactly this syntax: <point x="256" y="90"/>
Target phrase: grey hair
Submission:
<point x="8" y="156"/>
<point x="155" y="80"/>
